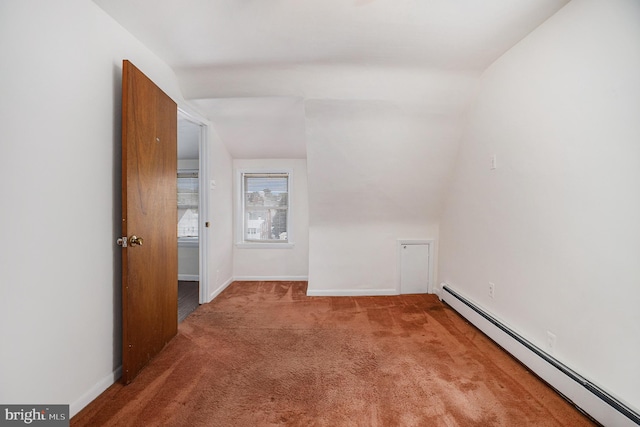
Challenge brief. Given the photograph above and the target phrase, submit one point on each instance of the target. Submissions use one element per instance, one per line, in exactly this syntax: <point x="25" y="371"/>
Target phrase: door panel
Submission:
<point x="414" y="269"/>
<point x="150" y="270"/>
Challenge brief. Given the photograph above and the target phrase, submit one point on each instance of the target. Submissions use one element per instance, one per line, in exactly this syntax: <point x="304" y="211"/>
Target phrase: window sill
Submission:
<point x="244" y="245"/>
<point x="188" y="242"/>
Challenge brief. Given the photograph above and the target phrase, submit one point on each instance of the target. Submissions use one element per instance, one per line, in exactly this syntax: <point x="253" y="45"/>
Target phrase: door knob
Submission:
<point x="135" y="240"/>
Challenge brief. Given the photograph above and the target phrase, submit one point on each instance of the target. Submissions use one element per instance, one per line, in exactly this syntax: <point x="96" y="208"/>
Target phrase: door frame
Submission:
<point x="203" y="203"/>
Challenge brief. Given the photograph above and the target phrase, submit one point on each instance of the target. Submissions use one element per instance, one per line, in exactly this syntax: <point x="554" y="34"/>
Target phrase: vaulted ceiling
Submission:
<point x="371" y="92"/>
<point x="201" y="34"/>
<point x="404" y="51"/>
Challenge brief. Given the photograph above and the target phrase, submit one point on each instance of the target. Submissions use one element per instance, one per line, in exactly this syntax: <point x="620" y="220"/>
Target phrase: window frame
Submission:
<point x="240" y="210"/>
<point x="191" y="241"/>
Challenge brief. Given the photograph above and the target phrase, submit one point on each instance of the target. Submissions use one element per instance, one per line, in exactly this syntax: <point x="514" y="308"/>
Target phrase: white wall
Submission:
<point x="60" y="212"/>
<point x="556" y="226"/>
<point x="288" y="263"/>
<point x="191" y="164"/>
<point x="220" y="248"/>
<point x="360" y="259"/>
<point x="376" y="174"/>
<point x="188" y="261"/>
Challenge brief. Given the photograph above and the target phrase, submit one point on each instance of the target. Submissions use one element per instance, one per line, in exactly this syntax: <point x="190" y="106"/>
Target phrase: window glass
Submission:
<point x="188" y="204"/>
<point x="266" y="207"/>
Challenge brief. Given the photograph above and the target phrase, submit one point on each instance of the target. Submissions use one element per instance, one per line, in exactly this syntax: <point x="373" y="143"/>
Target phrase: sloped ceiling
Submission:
<point x="371" y="92"/>
<point x="328" y="49"/>
<point x="461" y="34"/>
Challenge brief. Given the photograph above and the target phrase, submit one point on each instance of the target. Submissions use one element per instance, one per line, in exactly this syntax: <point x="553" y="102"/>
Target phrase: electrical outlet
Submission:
<point x="551" y="341"/>
<point x="492" y="289"/>
<point x="494" y="162"/>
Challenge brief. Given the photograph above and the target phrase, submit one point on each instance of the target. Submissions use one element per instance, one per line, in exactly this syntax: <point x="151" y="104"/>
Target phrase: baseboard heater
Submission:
<point x="596" y="391"/>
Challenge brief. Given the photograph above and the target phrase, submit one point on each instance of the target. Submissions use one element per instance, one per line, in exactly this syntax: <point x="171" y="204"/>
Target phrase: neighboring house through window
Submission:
<point x="264" y="208"/>
<point x="188" y="205"/>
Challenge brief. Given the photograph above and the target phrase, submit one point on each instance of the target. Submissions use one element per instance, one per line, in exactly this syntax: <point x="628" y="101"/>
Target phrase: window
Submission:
<point x="264" y="208"/>
<point x="188" y="205"/>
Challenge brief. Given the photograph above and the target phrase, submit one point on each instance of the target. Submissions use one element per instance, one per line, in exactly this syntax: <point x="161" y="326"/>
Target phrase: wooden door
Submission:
<point x="149" y="218"/>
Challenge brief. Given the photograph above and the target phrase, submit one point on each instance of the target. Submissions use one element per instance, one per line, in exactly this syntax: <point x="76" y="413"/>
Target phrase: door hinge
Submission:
<point x="122" y="241"/>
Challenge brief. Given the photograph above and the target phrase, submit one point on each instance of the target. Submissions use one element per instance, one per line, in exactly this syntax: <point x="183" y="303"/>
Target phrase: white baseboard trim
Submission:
<point x="95" y="391"/>
<point x="271" y="278"/>
<point x="350" y="292"/>
<point x="219" y="289"/>
<point x="189" y="277"/>
<point x="588" y="397"/>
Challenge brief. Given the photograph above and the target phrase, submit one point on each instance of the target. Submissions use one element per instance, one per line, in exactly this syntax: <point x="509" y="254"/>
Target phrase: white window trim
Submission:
<point x="239" y="214"/>
<point x="188" y="242"/>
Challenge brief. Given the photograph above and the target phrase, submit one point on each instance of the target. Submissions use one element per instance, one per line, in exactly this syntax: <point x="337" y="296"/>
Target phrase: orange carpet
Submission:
<point x="265" y="354"/>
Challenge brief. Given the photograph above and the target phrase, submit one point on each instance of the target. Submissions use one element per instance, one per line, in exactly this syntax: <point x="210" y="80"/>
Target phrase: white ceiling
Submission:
<point x="461" y="34"/>
<point x="252" y="65"/>
<point x="271" y="128"/>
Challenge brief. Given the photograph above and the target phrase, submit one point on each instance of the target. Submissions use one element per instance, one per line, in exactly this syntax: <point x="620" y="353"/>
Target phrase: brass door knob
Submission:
<point x="135" y="240"/>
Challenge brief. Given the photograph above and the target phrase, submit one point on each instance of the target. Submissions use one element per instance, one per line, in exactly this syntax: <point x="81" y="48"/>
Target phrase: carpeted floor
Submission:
<point x="265" y="354"/>
<point x="188" y="298"/>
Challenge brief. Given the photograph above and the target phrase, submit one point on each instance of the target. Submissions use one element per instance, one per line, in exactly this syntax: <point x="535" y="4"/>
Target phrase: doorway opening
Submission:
<point x="191" y="211"/>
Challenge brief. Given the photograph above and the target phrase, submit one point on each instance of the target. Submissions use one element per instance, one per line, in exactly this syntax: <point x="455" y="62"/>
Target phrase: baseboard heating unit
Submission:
<point x="586" y="396"/>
